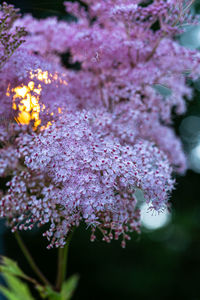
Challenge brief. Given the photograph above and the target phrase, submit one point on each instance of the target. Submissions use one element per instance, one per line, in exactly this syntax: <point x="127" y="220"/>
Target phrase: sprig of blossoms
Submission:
<point x="10" y="38"/>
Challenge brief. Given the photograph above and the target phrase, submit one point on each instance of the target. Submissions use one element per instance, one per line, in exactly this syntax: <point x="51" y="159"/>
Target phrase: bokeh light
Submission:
<point x="191" y="38"/>
<point x="190" y="133"/>
<point x="195" y="159"/>
<point x="153" y="220"/>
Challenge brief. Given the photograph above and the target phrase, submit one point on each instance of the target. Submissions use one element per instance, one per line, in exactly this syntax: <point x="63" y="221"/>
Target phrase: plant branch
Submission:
<point x="62" y="263"/>
<point x="30" y="260"/>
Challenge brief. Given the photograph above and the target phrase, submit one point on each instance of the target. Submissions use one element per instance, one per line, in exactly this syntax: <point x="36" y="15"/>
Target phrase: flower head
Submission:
<point x="106" y="131"/>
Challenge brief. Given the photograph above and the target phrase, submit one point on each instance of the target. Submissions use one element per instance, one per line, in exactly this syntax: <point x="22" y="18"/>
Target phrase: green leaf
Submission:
<point x="7" y="293"/>
<point x="162" y="90"/>
<point x="16" y="290"/>
<point x="51" y="294"/>
<point x="69" y="287"/>
<point x="67" y="290"/>
<point x="11" y="267"/>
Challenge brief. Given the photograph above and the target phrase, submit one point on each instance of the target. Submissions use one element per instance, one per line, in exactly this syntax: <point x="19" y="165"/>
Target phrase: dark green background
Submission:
<point x="163" y="264"/>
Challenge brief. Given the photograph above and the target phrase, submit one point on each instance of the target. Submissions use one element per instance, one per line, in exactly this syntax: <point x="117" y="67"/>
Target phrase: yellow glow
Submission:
<point x="41" y="75"/>
<point x="29" y="95"/>
<point x="8" y="91"/>
<point x="47" y="126"/>
<point x="38" y="90"/>
<point x="23" y="118"/>
<point x="31" y="85"/>
<point x="46" y="77"/>
<point x="29" y="107"/>
<point x="21" y="91"/>
<point x="14" y="106"/>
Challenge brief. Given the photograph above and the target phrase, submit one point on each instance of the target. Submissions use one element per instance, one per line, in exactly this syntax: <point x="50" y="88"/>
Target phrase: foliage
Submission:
<point x="17" y="289"/>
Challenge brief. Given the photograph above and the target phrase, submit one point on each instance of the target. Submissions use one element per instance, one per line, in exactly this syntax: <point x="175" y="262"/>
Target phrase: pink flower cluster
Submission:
<point x="86" y="175"/>
<point x="114" y="134"/>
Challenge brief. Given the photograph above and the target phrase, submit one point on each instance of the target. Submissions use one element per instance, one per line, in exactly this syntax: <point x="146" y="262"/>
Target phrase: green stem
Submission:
<point x="30" y="260"/>
<point x="62" y="263"/>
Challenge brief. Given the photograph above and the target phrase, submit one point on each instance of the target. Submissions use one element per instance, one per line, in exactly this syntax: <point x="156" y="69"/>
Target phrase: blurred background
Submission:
<point x="161" y="263"/>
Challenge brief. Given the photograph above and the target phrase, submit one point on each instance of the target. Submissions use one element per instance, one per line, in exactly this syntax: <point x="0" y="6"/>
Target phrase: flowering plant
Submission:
<point x="83" y="140"/>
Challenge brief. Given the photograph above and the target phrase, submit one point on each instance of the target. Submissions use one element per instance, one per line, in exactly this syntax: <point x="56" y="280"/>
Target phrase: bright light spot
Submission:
<point x="29" y="95"/>
<point x="195" y="158"/>
<point x="47" y="77"/>
<point x="196" y="152"/>
<point x="153" y="220"/>
<point x="197" y="33"/>
<point x="28" y="107"/>
<point x="46" y="126"/>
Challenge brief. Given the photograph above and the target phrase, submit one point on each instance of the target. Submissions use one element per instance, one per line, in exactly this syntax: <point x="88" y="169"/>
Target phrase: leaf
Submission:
<point x="69" y="287"/>
<point x="67" y="290"/>
<point x="16" y="290"/>
<point x="51" y="294"/>
<point x="162" y="90"/>
<point x="11" y="267"/>
<point x="7" y="293"/>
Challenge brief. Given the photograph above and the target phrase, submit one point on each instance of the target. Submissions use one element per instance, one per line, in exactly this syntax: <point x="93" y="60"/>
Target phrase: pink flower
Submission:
<point x="105" y="128"/>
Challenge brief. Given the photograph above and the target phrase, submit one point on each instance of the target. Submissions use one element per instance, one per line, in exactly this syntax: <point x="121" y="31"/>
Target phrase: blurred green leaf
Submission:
<point x="16" y="289"/>
<point x="11" y="267"/>
<point x="51" y="294"/>
<point x="163" y="90"/>
<point x="69" y="287"/>
<point x="67" y="290"/>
